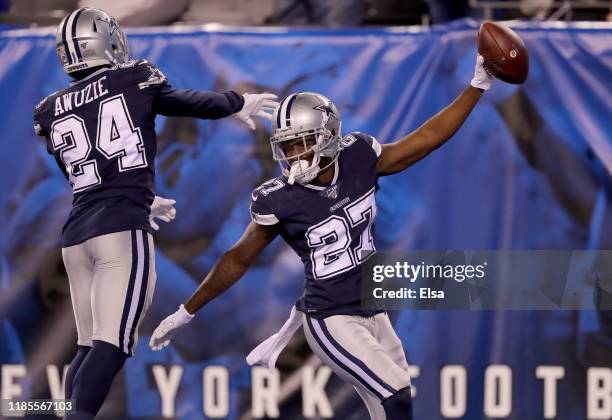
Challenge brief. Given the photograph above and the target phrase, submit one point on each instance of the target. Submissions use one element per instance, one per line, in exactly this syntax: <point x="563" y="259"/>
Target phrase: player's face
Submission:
<point x="295" y="148"/>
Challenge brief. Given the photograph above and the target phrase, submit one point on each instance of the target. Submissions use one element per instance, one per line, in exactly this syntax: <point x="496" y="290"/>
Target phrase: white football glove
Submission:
<point x="482" y="79"/>
<point x="257" y="105"/>
<point x="162" y="209"/>
<point x="168" y="327"/>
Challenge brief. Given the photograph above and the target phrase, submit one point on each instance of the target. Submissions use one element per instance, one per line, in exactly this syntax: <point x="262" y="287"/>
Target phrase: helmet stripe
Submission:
<point x="74" y="34"/>
<point x="64" y="24"/>
<point x="279" y="112"/>
<point x="288" y="112"/>
<point x="69" y="35"/>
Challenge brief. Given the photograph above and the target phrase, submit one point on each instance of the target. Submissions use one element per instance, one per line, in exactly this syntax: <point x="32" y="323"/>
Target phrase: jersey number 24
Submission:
<point x="116" y="137"/>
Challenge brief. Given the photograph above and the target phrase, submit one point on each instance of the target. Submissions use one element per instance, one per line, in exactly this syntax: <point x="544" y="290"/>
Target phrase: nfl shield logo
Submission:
<point x="331" y="192"/>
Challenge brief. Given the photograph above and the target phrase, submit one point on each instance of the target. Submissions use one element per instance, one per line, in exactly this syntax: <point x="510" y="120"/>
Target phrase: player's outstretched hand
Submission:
<point x="257" y="105"/>
<point x="162" y="209"/>
<point x="482" y="79"/>
<point x="168" y="327"/>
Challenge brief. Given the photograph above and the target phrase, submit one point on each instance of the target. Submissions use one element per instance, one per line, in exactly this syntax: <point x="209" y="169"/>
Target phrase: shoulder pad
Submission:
<point x="263" y="203"/>
<point x="143" y="72"/>
<point x="267" y="188"/>
<point x="152" y="76"/>
<point x="128" y="64"/>
<point x="43" y="102"/>
<point x="355" y="136"/>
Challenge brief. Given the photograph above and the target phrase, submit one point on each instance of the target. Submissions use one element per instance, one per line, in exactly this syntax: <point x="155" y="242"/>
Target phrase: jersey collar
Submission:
<point x="95" y="73"/>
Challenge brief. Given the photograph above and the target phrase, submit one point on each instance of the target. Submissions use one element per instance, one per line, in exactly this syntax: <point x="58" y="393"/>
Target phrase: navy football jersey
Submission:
<point x="101" y="131"/>
<point x="329" y="227"/>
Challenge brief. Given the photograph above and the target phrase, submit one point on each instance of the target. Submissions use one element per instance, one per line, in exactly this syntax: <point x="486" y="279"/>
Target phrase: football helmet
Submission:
<point x="313" y="119"/>
<point x="89" y="38"/>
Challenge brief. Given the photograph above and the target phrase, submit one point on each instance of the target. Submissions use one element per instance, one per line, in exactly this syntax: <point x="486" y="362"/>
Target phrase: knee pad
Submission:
<point x="399" y="405"/>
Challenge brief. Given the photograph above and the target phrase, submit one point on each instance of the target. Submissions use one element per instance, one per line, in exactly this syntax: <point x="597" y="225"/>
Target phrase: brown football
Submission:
<point x="504" y="52"/>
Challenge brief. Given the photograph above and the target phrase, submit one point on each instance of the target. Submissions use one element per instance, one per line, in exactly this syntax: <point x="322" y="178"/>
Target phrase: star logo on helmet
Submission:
<point x="112" y="24"/>
<point x="327" y="109"/>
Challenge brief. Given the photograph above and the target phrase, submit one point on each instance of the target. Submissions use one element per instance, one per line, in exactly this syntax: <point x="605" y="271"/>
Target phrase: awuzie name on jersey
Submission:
<point x="71" y="100"/>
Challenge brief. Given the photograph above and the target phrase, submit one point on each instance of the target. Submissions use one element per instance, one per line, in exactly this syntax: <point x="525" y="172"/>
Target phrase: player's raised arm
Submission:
<point x="227" y="271"/>
<point x="397" y="156"/>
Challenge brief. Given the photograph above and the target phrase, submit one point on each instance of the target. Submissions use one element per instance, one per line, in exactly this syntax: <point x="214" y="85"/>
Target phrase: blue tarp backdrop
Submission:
<point x="530" y="169"/>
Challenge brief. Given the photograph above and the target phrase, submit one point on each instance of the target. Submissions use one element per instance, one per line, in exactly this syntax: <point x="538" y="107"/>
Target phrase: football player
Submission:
<point x="101" y="131"/>
<point x="324" y="207"/>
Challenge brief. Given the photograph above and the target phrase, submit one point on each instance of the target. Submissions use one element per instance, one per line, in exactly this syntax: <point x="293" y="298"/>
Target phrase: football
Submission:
<point x="504" y="52"/>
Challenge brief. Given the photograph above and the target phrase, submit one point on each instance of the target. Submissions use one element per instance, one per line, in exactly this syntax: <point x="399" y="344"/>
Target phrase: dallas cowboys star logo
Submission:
<point x="112" y="25"/>
<point x="327" y="109"/>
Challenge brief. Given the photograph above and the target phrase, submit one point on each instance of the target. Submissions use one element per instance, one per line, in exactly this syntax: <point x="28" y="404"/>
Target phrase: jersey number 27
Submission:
<point x="331" y="240"/>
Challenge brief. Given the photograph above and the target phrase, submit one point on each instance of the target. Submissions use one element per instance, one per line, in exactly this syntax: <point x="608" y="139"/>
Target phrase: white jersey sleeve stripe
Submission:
<point x="264" y="219"/>
<point x="376" y="146"/>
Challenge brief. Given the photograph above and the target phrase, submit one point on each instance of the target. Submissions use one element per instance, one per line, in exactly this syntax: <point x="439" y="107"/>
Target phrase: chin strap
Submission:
<point x="298" y="172"/>
<point x="110" y="57"/>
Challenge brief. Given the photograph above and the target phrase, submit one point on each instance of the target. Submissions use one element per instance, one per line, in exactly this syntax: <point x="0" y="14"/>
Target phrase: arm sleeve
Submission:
<point x="193" y="103"/>
<point x="262" y="212"/>
<point x="37" y="118"/>
<point x="39" y="128"/>
<point x="173" y="102"/>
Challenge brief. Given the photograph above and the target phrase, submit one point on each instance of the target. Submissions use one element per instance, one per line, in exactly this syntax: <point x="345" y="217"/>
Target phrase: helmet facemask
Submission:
<point x="120" y="52"/>
<point x="305" y="165"/>
<point x="305" y="136"/>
